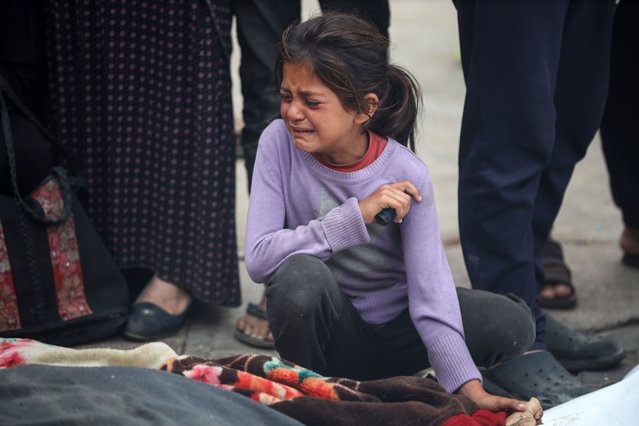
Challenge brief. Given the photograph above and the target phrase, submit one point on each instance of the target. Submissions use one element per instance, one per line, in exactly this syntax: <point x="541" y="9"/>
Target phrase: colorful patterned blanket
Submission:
<point x="297" y="392"/>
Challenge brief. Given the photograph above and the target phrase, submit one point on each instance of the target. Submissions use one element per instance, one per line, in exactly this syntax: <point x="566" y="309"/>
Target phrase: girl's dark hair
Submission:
<point x="351" y="58"/>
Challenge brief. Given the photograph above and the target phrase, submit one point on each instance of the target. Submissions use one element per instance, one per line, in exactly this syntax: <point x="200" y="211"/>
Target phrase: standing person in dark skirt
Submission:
<point x="141" y="92"/>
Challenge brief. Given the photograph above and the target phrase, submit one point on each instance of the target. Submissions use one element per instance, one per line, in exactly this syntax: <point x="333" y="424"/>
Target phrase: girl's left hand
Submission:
<point x="396" y="196"/>
<point x="474" y="391"/>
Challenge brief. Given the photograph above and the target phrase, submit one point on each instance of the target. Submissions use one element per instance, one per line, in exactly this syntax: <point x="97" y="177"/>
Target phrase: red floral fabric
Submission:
<point x="9" y="318"/>
<point x="65" y="256"/>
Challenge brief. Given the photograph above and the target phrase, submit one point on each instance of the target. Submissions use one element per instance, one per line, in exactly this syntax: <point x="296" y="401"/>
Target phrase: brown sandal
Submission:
<point x="556" y="273"/>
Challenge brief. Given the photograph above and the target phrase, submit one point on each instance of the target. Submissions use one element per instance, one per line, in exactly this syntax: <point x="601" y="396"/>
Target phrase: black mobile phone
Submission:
<point x="385" y="217"/>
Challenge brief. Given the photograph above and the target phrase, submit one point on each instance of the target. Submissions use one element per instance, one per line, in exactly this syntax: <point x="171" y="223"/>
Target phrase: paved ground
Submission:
<point x="423" y="34"/>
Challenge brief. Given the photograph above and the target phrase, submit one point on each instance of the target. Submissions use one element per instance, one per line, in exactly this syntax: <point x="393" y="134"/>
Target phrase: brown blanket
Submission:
<point x="299" y="393"/>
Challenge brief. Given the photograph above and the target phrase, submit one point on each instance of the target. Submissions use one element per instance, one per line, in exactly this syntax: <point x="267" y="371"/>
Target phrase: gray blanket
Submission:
<point x="51" y="395"/>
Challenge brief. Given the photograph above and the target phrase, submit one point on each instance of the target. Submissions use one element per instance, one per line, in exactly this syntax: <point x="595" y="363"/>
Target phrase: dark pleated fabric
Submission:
<point x="141" y="96"/>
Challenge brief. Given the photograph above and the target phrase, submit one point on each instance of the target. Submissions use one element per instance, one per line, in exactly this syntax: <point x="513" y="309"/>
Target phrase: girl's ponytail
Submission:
<point x="399" y="106"/>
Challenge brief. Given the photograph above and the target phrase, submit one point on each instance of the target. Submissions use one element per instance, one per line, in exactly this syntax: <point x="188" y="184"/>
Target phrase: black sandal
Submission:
<point x="556" y="273"/>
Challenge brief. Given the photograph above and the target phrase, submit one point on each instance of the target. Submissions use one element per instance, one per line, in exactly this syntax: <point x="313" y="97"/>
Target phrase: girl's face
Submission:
<point x="317" y="120"/>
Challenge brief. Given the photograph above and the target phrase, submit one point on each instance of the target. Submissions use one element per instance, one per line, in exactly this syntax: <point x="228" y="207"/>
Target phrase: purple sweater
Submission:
<point x="299" y="206"/>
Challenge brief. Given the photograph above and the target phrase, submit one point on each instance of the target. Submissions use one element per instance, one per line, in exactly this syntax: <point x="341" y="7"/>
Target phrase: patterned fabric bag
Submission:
<point x="58" y="282"/>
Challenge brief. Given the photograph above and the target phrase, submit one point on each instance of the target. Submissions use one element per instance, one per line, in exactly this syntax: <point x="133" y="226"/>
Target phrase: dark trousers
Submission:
<point x="620" y="125"/>
<point x="536" y="75"/>
<point x="315" y="325"/>
<point x="259" y="28"/>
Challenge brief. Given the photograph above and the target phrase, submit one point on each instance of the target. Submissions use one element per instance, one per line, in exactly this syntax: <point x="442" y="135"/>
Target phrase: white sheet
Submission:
<point x="614" y="405"/>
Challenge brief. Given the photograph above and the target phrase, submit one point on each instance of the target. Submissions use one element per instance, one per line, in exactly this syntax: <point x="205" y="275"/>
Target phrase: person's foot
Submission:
<point x="555" y="292"/>
<point x="629" y="243"/>
<point x="167" y="296"/>
<point x="158" y="311"/>
<point x="253" y="329"/>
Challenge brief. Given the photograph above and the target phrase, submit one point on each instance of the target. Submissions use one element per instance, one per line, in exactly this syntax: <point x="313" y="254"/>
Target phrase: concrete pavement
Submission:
<point x="424" y="40"/>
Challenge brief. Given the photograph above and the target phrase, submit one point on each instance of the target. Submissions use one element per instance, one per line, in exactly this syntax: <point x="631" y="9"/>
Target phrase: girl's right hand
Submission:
<point x="531" y="410"/>
<point x="397" y="196"/>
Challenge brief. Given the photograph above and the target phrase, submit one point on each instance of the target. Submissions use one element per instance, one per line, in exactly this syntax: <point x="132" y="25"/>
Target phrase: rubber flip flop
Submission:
<point x="578" y="351"/>
<point x="256" y="311"/>
<point x="538" y="375"/>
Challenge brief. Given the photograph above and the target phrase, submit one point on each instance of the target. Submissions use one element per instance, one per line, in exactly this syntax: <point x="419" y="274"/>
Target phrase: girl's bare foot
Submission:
<point x="253" y="329"/>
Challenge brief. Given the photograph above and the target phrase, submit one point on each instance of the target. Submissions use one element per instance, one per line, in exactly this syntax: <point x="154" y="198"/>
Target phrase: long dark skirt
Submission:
<point x="141" y="96"/>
